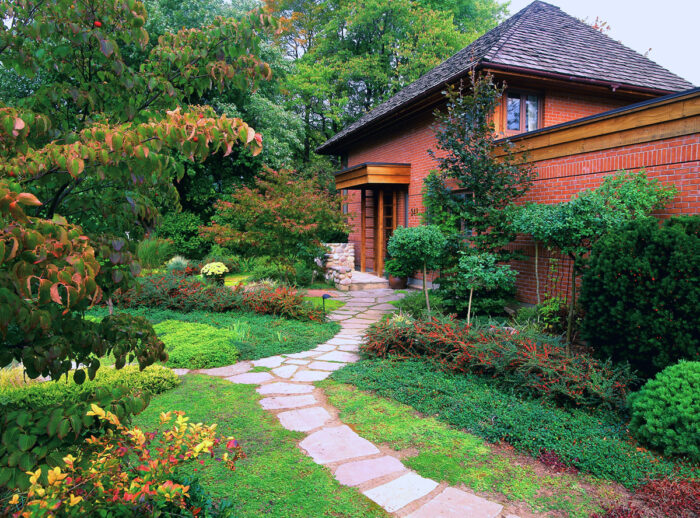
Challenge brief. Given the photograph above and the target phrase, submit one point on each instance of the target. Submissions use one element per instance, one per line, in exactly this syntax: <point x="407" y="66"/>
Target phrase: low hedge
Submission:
<point x="183" y="293"/>
<point x="597" y="444"/>
<point x="533" y="365"/>
<point x="153" y="380"/>
<point x="196" y="346"/>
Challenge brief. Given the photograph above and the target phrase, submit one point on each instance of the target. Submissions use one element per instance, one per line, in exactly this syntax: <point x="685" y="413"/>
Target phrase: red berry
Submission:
<point x="201" y="116"/>
<point x="98" y="23"/>
<point x="195" y="139"/>
<point x="12" y="174"/>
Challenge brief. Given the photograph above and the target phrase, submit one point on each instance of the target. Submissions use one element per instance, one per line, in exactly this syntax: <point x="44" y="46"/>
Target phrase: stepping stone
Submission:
<point x="302" y="355"/>
<point x="326" y="366"/>
<point x="297" y="362"/>
<point x="360" y="471"/>
<point x="276" y="403"/>
<point x="229" y="370"/>
<point x="325" y="347"/>
<point x="350" y="348"/>
<point x="285" y="371"/>
<point x="311" y="375"/>
<point x="251" y="378"/>
<point x="398" y="493"/>
<point x="354" y="325"/>
<point x="272" y="361"/>
<point x="342" y="341"/>
<point x="455" y="503"/>
<point x="284" y="388"/>
<point x="304" y="419"/>
<point x="180" y="372"/>
<point x="335" y="444"/>
<point x="339" y="356"/>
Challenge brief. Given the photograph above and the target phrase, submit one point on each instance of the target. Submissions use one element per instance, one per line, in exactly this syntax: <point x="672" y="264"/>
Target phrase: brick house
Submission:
<point x="580" y="103"/>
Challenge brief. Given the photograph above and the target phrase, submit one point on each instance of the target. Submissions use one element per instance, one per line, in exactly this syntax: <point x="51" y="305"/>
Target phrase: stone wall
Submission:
<point x="339" y="264"/>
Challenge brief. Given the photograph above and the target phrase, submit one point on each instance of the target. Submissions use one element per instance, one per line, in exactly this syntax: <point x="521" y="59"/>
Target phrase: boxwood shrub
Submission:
<point x="666" y="411"/>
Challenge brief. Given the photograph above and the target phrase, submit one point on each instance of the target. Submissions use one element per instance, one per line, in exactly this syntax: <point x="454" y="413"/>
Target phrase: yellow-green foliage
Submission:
<point x="197" y="346"/>
<point x="666" y="411"/>
<point x="154" y="379"/>
<point x="14" y="377"/>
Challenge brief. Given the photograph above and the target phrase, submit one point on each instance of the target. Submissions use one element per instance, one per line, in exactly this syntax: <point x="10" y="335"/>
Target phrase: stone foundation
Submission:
<point x="339" y="264"/>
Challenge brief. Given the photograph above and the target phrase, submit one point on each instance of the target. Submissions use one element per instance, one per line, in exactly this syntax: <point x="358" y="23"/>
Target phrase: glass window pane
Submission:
<point x="513" y="112"/>
<point x="532" y="112"/>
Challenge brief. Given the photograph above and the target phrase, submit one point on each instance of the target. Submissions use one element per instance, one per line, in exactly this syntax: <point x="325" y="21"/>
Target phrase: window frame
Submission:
<point x="523" y="93"/>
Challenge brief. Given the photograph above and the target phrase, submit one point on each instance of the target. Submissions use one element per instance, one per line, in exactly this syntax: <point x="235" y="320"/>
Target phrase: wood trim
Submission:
<point x="394" y="210"/>
<point x="363" y="230"/>
<point x="379" y="225"/>
<point x="647" y="124"/>
<point x="369" y="174"/>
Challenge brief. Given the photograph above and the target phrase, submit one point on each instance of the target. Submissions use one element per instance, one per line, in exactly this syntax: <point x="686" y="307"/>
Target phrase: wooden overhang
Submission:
<point x="657" y="119"/>
<point x="373" y="173"/>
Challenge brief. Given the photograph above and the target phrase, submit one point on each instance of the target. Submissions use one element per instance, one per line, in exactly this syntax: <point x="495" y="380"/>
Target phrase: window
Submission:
<point x="346" y="208"/>
<point x="522" y="111"/>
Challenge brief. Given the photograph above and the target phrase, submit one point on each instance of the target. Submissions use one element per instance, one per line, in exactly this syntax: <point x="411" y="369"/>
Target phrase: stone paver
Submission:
<point x="311" y="375"/>
<point x="398" y="493"/>
<point x="277" y="403"/>
<point x="336" y="443"/>
<point x="289" y="392"/>
<point x="304" y="419"/>
<point x="360" y="471"/>
<point x="272" y="361"/>
<point x="455" y="503"/>
<point x="326" y="366"/>
<point x="180" y="372"/>
<point x="339" y="356"/>
<point x="284" y="388"/>
<point x="285" y="371"/>
<point x="251" y="378"/>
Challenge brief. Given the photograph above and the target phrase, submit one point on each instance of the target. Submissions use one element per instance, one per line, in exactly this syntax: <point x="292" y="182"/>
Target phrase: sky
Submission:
<point x="669" y="27"/>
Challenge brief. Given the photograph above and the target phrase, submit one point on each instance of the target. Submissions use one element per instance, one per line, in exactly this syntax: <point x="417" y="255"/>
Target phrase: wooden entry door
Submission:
<point x="385" y="216"/>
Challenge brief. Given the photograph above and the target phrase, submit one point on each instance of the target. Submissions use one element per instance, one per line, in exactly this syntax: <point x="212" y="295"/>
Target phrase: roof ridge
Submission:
<point x="517" y="20"/>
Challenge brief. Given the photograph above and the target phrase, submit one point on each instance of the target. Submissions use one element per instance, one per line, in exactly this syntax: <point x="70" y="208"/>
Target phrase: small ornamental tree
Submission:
<point x="416" y="248"/>
<point x="481" y="271"/>
<point x="466" y="157"/>
<point x="86" y="159"/>
<point x="283" y="216"/>
<point x="575" y="226"/>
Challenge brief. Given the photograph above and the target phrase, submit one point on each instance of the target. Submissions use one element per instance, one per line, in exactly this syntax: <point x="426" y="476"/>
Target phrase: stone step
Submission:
<point x="362" y="286"/>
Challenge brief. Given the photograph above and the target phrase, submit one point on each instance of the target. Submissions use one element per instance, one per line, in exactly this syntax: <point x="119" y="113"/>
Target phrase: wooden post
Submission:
<point x="380" y="240"/>
<point x="395" y="211"/>
<point x="363" y="230"/>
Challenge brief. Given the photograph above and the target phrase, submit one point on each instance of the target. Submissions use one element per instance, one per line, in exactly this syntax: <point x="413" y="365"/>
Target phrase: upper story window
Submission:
<point x="523" y="111"/>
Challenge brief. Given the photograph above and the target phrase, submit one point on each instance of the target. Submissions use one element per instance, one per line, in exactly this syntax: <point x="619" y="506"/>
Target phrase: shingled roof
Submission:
<point x="539" y="38"/>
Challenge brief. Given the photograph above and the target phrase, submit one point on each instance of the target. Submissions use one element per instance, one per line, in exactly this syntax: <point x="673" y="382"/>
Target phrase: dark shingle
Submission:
<point x="540" y="37"/>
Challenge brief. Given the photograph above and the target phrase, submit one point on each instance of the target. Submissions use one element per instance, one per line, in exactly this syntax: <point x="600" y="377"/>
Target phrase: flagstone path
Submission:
<point x="300" y="406"/>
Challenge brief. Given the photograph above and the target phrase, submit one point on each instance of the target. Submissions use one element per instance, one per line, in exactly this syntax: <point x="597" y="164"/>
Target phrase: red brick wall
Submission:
<point x="673" y="161"/>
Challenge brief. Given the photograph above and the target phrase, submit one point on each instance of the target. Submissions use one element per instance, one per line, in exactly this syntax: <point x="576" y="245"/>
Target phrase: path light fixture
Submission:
<point x="324" y="297"/>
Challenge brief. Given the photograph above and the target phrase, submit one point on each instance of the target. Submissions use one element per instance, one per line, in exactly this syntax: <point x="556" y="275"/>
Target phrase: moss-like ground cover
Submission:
<point x="255" y="336"/>
<point x="331" y="304"/>
<point x="453" y="456"/>
<point x="276" y="479"/>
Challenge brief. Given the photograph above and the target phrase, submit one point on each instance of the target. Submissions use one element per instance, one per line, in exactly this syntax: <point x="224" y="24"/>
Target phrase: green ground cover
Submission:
<point x="254" y="336"/>
<point x="597" y="444"/>
<point x="453" y="456"/>
<point x="331" y="304"/>
<point x="276" y="478"/>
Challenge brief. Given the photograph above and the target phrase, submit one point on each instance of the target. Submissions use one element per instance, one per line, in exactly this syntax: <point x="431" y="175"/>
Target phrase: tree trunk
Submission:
<point x="469" y="308"/>
<point x="425" y="287"/>
<point x="572" y="303"/>
<point x="537" y="271"/>
<point x="110" y="305"/>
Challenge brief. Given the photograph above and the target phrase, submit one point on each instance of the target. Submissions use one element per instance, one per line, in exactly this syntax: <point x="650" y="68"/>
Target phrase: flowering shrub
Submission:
<point x="188" y="294"/>
<point x="214" y="269"/>
<point x="126" y="472"/>
<point x="533" y="366"/>
<point x="666" y="411"/>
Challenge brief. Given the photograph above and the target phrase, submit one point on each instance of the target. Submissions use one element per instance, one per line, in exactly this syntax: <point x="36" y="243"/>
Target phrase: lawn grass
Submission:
<point x="256" y="336"/>
<point x="331" y="304"/>
<point x="449" y="455"/>
<point x="275" y="479"/>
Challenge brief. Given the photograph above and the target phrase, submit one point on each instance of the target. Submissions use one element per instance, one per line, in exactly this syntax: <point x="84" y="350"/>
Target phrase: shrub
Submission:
<point x="642" y="292"/>
<point x="182" y="228"/>
<point x="595" y="443"/>
<point x="188" y="294"/>
<point x="299" y="273"/>
<point x="127" y="472"/>
<point x="153" y="252"/>
<point x="666" y="411"/>
<point x="213" y="347"/>
<point x="177" y="264"/>
<point x="535" y="366"/>
<point x="414" y="303"/>
<point x="41" y="422"/>
<point x="214" y="271"/>
<point x="218" y="254"/>
<point x="672" y="498"/>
